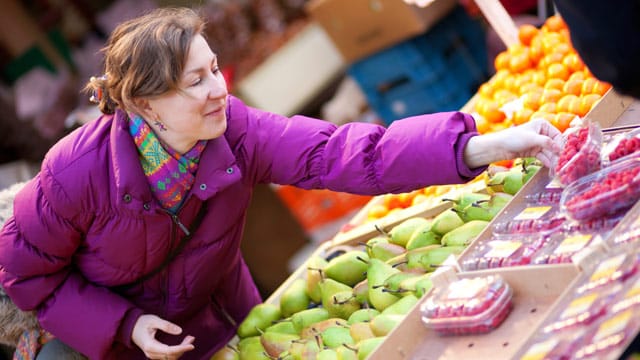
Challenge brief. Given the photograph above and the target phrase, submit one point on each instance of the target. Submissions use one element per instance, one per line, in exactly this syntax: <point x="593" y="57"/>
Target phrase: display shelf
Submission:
<point x="536" y="290"/>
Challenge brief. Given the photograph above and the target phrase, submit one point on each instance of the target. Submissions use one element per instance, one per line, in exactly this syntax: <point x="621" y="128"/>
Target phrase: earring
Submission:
<point x="160" y="125"/>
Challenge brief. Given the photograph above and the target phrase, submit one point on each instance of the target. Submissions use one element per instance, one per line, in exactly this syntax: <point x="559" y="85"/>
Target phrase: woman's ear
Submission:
<point x="143" y="107"/>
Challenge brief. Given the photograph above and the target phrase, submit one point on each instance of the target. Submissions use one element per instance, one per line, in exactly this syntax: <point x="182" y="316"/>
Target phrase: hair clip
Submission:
<point x="97" y="93"/>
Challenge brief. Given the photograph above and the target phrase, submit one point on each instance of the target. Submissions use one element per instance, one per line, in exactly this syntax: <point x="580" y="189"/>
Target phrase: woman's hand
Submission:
<point x="144" y="332"/>
<point x="535" y="138"/>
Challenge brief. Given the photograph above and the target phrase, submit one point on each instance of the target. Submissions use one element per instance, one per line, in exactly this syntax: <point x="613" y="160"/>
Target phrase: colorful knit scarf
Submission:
<point x="170" y="174"/>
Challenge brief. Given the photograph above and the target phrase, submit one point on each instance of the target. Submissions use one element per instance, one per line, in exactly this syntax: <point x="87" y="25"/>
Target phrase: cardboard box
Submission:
<point x="362" y="27"/>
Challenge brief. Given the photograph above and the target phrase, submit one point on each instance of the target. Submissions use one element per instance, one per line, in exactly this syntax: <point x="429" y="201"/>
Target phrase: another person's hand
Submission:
<point x="144" y="332"/>
<point x="536" y="138"/>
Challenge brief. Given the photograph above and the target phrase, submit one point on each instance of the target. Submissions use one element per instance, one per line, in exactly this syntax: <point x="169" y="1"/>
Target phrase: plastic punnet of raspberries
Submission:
<point x="580" y="155"/>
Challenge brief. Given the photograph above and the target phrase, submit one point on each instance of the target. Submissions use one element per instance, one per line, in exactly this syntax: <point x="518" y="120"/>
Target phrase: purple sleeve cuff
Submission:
<point x="463" y="169"/>
<point x="126" y="327"/>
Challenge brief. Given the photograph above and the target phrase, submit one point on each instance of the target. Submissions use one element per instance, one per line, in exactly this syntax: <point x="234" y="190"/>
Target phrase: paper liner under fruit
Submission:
<point x="580" y="155"/>
<point x="605" y="192"/>
<point x="468" y="306"/>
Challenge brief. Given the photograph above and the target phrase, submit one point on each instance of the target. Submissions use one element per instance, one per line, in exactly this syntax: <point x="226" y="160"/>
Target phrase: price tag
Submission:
<point x="502" y="248"/>
<point x="613" y="326"/>
<point x="573" y="244"/>
<point x="578" y="306"/>
<point x="465" y="288"/>
<point x="540" y="350"/>
<point x="532" y="213"/>
<point x="607" y="268"/>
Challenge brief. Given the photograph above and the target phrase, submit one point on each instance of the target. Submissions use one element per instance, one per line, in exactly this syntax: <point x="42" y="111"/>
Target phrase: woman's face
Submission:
<point x="198" y="112"/>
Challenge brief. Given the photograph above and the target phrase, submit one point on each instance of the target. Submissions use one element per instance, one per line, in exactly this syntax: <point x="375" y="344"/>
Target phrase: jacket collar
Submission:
<point x="217" y="169"/>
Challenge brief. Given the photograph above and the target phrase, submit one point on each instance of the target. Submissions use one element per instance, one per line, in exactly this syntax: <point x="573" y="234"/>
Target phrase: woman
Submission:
<point x="127" y="241"/>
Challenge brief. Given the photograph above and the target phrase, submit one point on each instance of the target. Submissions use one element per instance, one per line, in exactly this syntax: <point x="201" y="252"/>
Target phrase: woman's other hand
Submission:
<point x="144" y="332"/>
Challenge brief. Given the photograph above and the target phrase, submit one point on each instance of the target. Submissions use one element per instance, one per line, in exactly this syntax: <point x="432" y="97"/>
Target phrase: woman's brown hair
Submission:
<point x="144" y="57"/>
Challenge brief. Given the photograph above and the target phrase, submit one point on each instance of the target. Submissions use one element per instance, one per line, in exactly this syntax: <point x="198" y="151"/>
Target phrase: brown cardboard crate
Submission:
<point x="361" y="27"/>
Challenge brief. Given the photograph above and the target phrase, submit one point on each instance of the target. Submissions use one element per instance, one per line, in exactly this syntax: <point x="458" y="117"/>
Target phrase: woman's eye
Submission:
<point x="215" y="70"/>
<point x="197" y="82"/>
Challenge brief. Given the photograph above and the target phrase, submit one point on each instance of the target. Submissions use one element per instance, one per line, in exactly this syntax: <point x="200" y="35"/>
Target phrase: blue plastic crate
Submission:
<point x="435" y="71"/>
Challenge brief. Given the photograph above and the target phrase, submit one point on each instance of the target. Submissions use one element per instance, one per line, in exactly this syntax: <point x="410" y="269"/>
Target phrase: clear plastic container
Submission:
<point x="503" y="251"/>
<point x="605" y="192"/>
<point x="548" y="196"/>
<point x="621" y="146"/>
<point x="532" y="219"/>
<point x="580" y="155"/>
<point x="579" y="312"/>
<point x="562" y="246"/>
<point x="599" y="225"/>
<point x="552" y="347"/>
<point x="609" y="335"/>
<point x="468" y="306"/>
<point x="614" y="269"/>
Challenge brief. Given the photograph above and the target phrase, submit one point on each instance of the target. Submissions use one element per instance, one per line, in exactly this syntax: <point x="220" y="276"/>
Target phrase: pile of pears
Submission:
<point x="348" y="301"/>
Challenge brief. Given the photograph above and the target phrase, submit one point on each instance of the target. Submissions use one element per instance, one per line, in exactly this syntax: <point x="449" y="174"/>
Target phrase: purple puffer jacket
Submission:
<point x="88" y="224"/>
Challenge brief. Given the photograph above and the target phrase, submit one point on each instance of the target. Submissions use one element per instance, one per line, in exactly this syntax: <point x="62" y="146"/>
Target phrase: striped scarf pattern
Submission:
<point x="169" y="173"/>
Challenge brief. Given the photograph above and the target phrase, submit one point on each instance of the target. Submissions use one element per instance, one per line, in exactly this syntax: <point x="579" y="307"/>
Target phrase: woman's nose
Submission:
<point x="218" y="86"/>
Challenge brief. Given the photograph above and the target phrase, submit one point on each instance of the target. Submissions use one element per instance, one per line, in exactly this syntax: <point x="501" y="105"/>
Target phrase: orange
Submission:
<point x="539" y="77"/>
<point x="503" y="96"/>
<point x="377" y="211"/>
<point x="520" y="62"/>
<point x="486" y="90"/>
<point x="510" y="84"/>
<point x="492" y="113"/>
<point x="578" y="75"/>
<point x="587" y="102"/>
<point x="501" y="62"/>
<point x="391" y="201"/>
<point x="558" y="71"/>
<point x="521" y="116"/>
<point x="554" y="83"/>
<point x="554" y="23"/>
<point x="550" y="41"/>
<point x="526" y="33"/>
<point x="542" y="115"/>
<point x="551" y="95"/>
<point x="594" y="86"/>
<point x="482" y="125"/>
<point x="568" y="103"/>
<point x="420" y="198"/>
<point x="562" y="48"/>
<point x="535" y="49"/>
<point x="529" y="87"/>
<point x="532" y="100"/>
<point x="562" y="120"/>
<point x="573" y="87"/>
<point x="573" y="62"/>
<point x="549" y="107"/>
<point x="551" y="58"/>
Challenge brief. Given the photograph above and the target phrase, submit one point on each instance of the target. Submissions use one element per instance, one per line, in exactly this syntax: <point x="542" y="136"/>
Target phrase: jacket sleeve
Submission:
<point x="359" y="158"/>
<point x="37" y="245"/>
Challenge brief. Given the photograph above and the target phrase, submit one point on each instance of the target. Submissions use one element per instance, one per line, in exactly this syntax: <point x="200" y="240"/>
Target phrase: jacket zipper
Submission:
<point x="224" y="312"/>
<point x="165" y="280"/>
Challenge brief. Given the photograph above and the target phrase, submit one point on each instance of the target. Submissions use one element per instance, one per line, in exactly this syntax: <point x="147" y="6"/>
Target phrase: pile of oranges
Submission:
<point x="543" y="72"/>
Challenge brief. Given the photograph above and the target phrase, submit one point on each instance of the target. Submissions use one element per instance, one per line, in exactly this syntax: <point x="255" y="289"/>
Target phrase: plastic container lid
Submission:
<point x="468" y="306"/>
<point x="580" y="155"/>
<point x="532" y="219"/>
<point x="607" y="191"/>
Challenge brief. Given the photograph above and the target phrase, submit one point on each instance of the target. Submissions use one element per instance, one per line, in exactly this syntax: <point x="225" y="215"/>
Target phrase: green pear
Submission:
<point x="315" y="329"/>
<point x="377" y="273"/>
<point x="413" y="258"/>
<point x="423" y="236"/>
<point x="313" y="277"/>
<point x="327" y="354"/>
<point x="465" y="234"/>
<point x="342" y="304"/>
<point x="284" y="327"/>
<point x="419" y="285"/>
<point x="259" y="318"/>
<point x="329" y="287"/>
<point x="513" y="181"/>
<point x="361" y="292"/>
<point x="275" y="343"/>
<point x="304" y="318"/>
<point x="401" y="233"/>
<point x="228" y="352"/>
<point x="382" y="324"/>
<point x="392" y="283"/>
<point x="367" y="346"/>
<point x="465" y="199"/>
<point x="385" y="251"/>
<point x="409" y="285"/>
<point x="445" y="222"/>
<point x="336" y="336"/>
<point x="380" y="239"/>
<point x="347" y="353"/>
<point x="362" y="315"/>
<point x="304" y="350"/>
<point x="495" y="182"/>
<point x="529" y="171"/>
<point x="360" y="331"/>
<point x="430" y="260"/>
<point x="402" y="306"/>
<point x="294" y="298"/>
<point x="251" y="348"/>
<point x="348" y="268"/>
